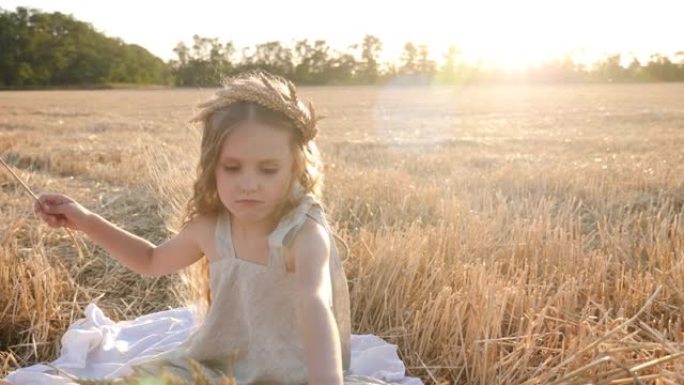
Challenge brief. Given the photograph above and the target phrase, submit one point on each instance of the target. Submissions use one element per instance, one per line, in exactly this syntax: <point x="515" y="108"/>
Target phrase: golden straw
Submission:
<point x="19" y="180"/>
<point x="73" y="239"/>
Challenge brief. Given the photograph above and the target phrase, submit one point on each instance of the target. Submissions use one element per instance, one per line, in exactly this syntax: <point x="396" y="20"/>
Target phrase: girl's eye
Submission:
<point x="231" y="168"/>
<point x="269" y="171"/>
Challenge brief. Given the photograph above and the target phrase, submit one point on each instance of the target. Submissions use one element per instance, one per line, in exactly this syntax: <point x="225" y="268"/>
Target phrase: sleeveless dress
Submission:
<point x="252" y="319"/>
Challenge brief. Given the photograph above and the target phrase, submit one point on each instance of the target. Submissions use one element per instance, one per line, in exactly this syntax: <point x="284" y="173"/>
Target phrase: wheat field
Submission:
<point x="497" y="234"/>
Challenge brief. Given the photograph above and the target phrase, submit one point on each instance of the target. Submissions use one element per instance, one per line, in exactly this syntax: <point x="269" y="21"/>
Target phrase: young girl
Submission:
<point x="279" y="300"/>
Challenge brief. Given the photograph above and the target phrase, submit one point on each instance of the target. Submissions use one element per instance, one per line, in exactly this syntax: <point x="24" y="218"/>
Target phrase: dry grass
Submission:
<point x="509" y="235"/>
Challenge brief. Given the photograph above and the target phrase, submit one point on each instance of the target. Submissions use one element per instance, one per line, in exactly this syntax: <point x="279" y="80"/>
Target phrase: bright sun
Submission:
<point x="513" y="38"/>
<point x="525" y="33"/>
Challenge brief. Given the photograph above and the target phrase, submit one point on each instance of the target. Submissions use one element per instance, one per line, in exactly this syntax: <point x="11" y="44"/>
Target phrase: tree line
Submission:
<point x="52" y="49"/>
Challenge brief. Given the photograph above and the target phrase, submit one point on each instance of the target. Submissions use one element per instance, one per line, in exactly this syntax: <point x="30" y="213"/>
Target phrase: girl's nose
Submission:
<point x="248" y="185"/>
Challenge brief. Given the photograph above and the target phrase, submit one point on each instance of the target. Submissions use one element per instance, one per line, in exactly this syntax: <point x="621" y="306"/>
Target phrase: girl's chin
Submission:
<point x="251" y="214"/>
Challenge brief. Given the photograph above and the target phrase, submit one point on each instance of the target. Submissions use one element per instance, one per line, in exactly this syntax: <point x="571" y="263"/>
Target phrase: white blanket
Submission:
<point x="97" y="347"/>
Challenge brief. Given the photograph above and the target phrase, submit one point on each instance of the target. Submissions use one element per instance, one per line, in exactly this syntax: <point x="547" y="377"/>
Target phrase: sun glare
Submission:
<point x="526" y="33"/>
<point x="511" y="37"/>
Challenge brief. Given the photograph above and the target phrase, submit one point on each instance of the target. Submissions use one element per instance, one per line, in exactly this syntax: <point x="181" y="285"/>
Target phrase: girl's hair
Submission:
<point x="256" y="97"/>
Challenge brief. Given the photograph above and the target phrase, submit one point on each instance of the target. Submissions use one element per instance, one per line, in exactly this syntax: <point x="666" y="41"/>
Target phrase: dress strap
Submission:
<point x="291" y="222"/>
<point x="224" y="243"/>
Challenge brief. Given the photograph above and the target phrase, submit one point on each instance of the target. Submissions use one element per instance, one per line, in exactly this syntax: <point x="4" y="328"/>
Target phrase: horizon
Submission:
<point x="515" y="37"/>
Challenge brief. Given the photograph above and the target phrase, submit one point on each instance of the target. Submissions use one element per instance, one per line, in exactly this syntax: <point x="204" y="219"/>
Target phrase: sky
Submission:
<point x="511" y="34"/>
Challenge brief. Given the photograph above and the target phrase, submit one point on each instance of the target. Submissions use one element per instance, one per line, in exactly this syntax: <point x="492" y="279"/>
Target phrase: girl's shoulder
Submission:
<point x="201" y="223"/>
<point x="306" y="210"/>
<point x="311" y="230"/>
<point x="305" y="233"/>
<point x="201" y="228"/>
<point x="310" y="242"/>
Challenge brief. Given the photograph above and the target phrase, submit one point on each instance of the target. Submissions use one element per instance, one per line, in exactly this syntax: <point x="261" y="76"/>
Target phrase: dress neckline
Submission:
<point x="274" y="239"/>
<point x="231" y="245"/>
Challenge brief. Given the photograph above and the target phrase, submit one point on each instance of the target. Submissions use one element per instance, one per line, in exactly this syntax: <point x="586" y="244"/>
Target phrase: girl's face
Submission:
<point x="254" y="170"/>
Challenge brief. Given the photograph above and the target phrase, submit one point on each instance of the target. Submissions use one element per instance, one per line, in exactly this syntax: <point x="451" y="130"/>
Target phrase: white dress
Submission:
<point x="251" y="320"/>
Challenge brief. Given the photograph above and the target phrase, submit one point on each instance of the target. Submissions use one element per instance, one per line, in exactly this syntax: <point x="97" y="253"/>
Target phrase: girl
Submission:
<point x="279" y="301"/>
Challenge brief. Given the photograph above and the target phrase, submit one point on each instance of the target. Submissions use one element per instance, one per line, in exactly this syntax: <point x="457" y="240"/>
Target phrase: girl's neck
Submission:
<point x="251" y="230"/>
<point x="259" y="229"/>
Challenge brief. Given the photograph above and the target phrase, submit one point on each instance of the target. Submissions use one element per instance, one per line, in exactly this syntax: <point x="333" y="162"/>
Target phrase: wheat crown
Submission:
<point x="267" y="90"/>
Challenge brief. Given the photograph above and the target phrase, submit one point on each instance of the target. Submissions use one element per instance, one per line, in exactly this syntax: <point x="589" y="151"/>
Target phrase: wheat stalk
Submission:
<point x="270" y="91"/>
<point x="35" y="197"/>
<point x="21" y="182"/>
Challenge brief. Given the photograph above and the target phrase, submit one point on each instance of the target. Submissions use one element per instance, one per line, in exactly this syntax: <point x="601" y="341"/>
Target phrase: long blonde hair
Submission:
<point x="255" y="97"/>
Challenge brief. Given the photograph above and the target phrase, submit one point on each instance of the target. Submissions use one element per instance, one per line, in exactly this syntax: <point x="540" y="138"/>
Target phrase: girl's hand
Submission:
<point x="59" y="210"/>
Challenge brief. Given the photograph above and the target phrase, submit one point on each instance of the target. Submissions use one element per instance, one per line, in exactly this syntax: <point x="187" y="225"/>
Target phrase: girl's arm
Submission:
<point x="311" y="252"/>
<point x="134" y="252"/>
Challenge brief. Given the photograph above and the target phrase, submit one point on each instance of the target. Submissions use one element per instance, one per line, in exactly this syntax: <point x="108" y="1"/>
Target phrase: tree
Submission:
<point x="370" y="51"/>
<point x="409" y="65"/>
<point x="448" y="72"/>
<point x="426" y="66"/>
<point x="53" y="49"/>
<point x="273" y="57"/>
<point x="341" y="68"/>
<point x="610" y="69"/>
<point x="635" y="70"/>
<point x="565" y="70"/>
<point x="14" y="69"/>
<point x="205" y="64"/>
<point x="661" y="68"/>
<point x="314" y="63"/>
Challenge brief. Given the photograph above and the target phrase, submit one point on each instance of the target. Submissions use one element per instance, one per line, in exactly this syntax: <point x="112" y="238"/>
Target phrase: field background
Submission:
<point x="498" y="234"/>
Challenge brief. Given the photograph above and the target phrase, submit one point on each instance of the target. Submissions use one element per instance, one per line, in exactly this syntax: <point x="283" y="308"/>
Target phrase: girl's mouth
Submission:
<point x="248" y="201"/>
